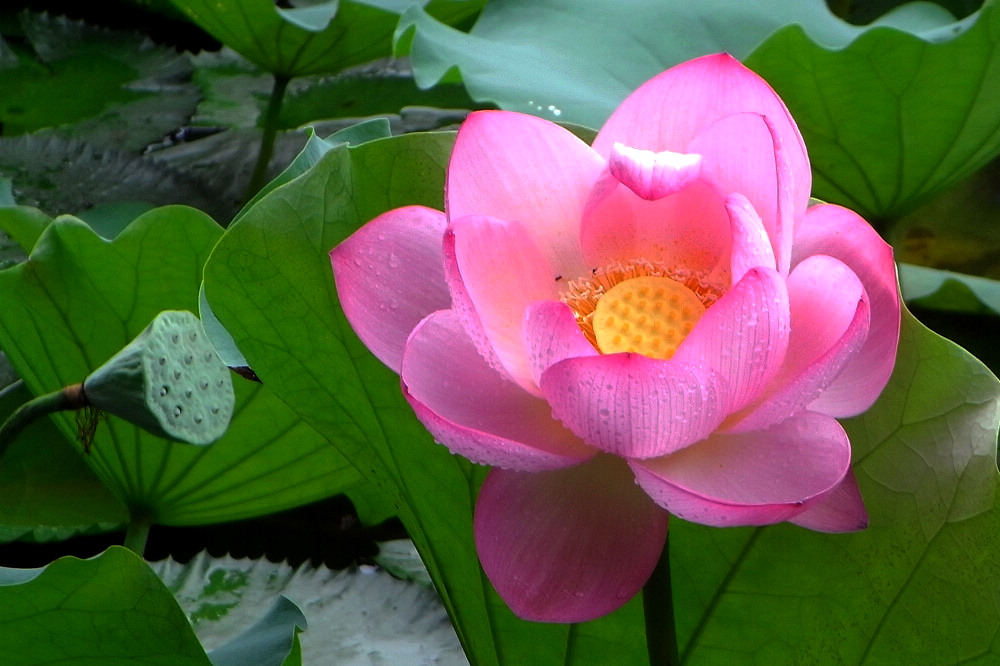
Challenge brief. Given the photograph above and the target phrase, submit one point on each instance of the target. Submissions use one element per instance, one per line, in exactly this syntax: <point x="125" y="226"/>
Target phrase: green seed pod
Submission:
<point x="168" y="380"/>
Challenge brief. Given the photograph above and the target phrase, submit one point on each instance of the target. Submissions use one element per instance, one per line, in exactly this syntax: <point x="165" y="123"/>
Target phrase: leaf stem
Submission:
<point x="259" y="176"/>
<point x="66" y="398"/>
<point x="137" y="532"/>
<point x="658" y="609"/>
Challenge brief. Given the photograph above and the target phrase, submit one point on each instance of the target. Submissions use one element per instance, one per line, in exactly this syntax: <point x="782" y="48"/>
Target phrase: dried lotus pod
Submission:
<point x="168" y="380"/>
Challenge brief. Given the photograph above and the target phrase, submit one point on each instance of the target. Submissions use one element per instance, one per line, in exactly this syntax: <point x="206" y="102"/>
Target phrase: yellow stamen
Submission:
<point x="646" y="315"/>
<point x="585" y="293"/>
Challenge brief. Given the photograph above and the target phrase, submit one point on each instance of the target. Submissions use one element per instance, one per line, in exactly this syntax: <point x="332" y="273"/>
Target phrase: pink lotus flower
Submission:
<point x="658" y="323"/>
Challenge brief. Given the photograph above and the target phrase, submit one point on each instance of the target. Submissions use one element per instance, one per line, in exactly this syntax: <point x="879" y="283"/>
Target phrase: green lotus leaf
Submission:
<point x="47" y="490"/>
<point x="949" y="291"/>
<point x="319" y="39"/>
<point x="891" y="119"/>
<point x="576" y="62"/>
<point x="80" y="299"/>
<point x="113" y="610"/>
<point x="110" y="610"/>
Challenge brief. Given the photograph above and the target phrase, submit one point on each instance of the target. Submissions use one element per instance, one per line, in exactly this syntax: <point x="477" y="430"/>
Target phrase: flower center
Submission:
<point x="647" y="315"/>
<point x="642" y="307"/>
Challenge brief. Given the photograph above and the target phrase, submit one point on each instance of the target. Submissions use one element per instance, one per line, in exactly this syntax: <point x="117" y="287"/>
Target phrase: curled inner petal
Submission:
<point x="653" y="175"/>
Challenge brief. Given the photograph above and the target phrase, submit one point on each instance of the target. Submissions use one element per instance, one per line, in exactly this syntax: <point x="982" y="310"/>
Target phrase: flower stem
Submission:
<point x="658" y="608"/>
<point x="259" y="177"/>
<point x="67" y="398"/>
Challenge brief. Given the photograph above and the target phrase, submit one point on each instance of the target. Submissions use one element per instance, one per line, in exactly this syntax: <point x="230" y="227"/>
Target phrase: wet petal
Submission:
<point x="634" y="406"/>
<point x="569" y="545"/>
<point x="743" y="154"/>
<point x="389" y="276"/>
<point x="474" y="411"/>
<point x="756" y="478"/>
<point x="751" y="245"/>
<point x="841" y="233"/>
<point x="744" y="336"/>
<point x="521" y="168"/>
<point x="552" y="334"/>
<point x="838" y="510"/>
<point x="830" y="318"/>
<point x="499" y="272"/>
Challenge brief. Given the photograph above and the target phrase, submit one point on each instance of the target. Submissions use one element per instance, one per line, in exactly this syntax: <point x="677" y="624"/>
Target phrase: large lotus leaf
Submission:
<point x="46" y="490"/>
<point x="80" y="298"/>
<point x="319" y="38"/>
<point x="108" y="610"/>
<point x="949" y="291"/>
<point x="918" y="586"/>
<point x="270" y="283"/>
<point x="113" y="610"/>
<point x="577" y="61"/>
<point x="109" y="88"/>
<point x="891" y="119"/>
<point x="926" y="458"/>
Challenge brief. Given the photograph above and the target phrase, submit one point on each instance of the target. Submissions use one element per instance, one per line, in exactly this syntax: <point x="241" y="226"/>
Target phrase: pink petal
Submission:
<point x="841" y="233"/>
<point x="751" y="245"/>
<point x="499" y="272"/>
<point x="634" y="406"/>
<point x="389" y="276"/>
<point x="688" y="229"/>
<point x="742" y="154"/>
<point x="756" y="478"/>
<point x="569" y="545"/>
<point x="474" y="411"/>
<point x="653" y="175"/>
<point x="840" y="509"/>
<point x="743" y="336"/>
<point x="522" y="168"/>
<point x="552" y="334"/>
<point x="830" y="321"/>
<point x="670" y="110"/>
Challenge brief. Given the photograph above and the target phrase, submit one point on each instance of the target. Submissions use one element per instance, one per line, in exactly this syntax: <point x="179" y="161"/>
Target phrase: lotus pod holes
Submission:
<point x="168" y="380"/>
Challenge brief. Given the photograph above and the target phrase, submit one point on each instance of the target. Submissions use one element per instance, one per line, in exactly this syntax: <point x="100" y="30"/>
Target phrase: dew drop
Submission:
<point x="163" y="360"/>
<point x="189" y="359"/>
<point x="204" y="385"/>
<point x="198" y="418"/>
<point x="177" y="374"/>
<point x="178" y="410"/>
<point x="164" y="390"/>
